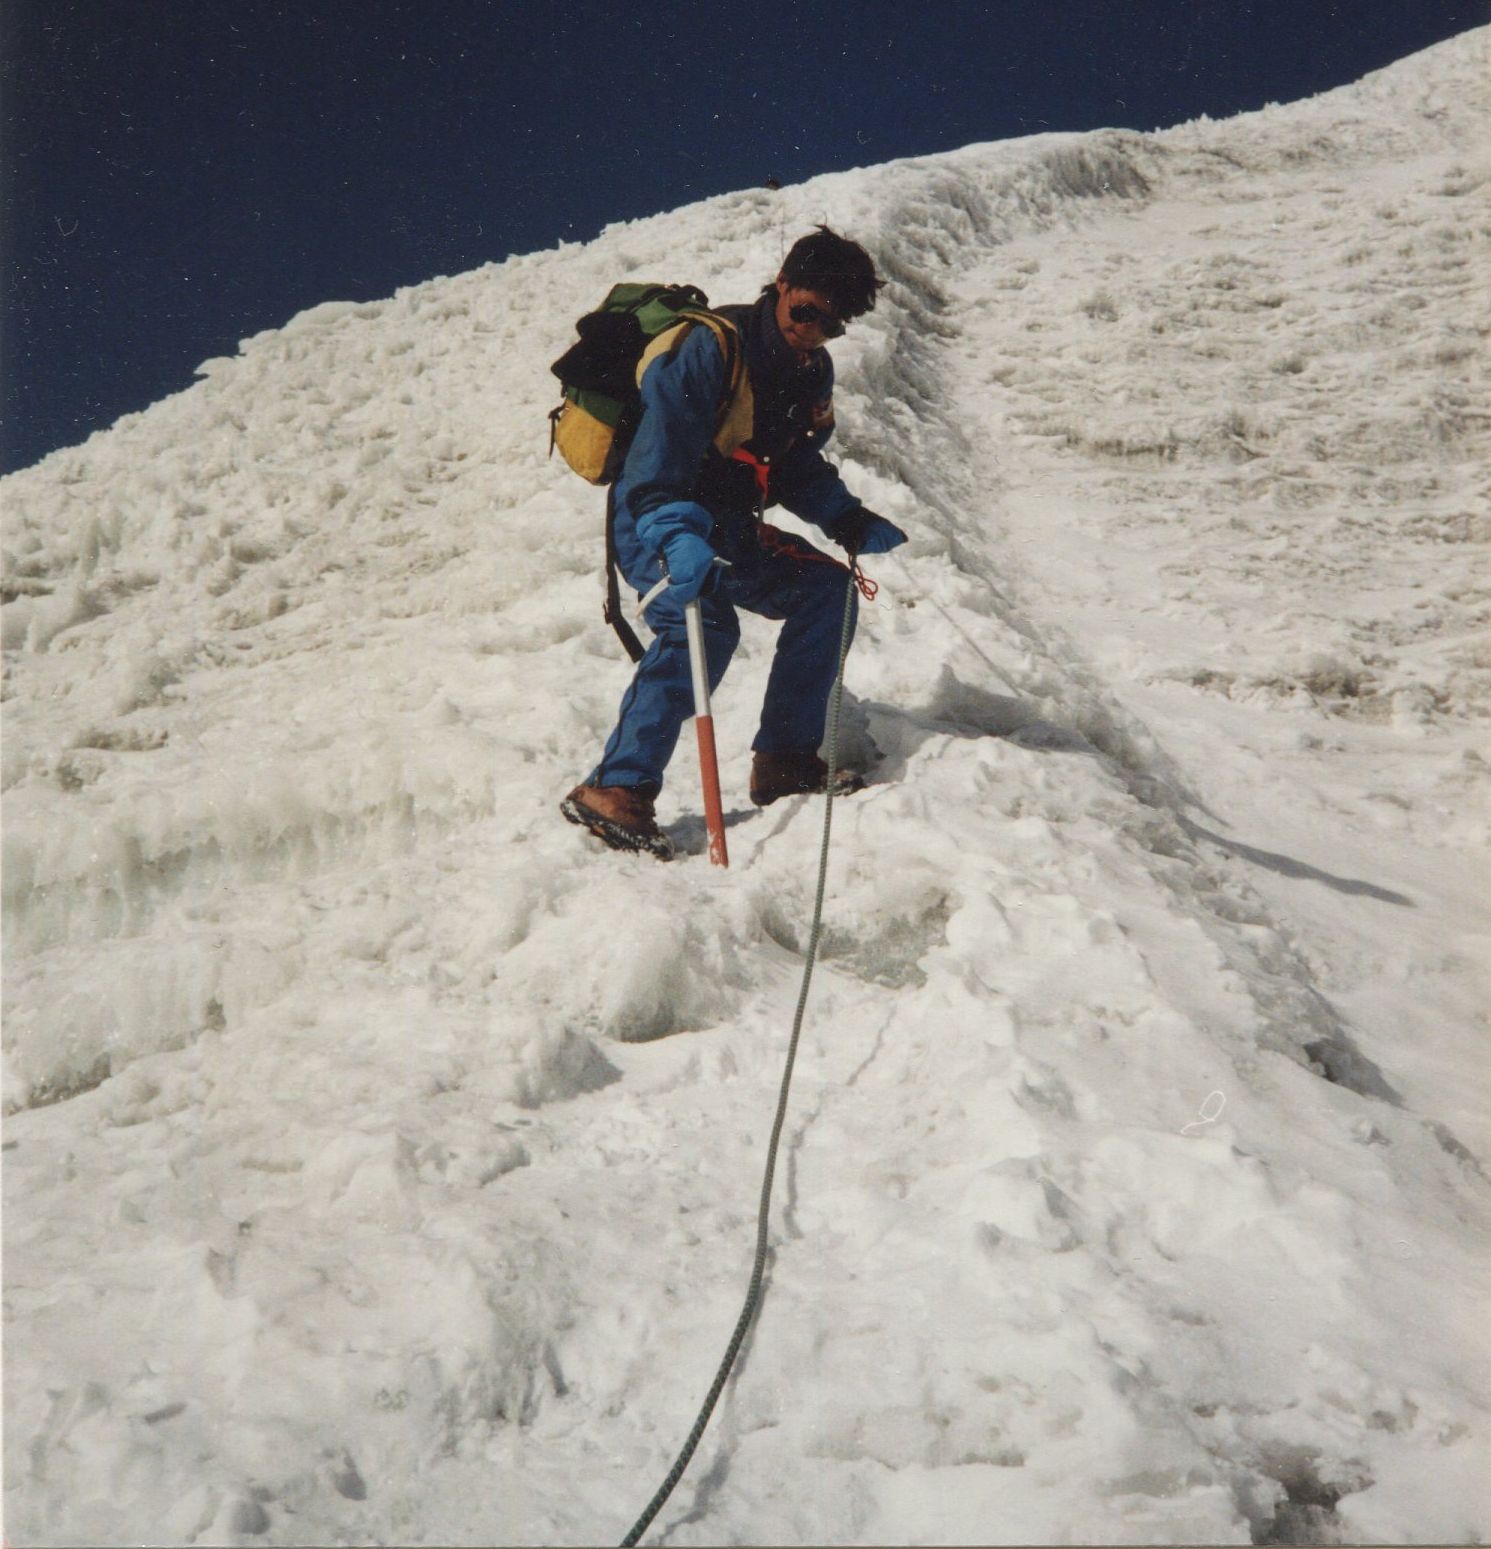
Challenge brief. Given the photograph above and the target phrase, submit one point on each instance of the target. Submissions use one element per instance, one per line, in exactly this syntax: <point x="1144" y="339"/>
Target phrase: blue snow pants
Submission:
<point x="791" y="581"/>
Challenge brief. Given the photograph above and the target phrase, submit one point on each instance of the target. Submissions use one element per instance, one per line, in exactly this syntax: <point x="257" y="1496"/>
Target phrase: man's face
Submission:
<point x="802" y="337"/>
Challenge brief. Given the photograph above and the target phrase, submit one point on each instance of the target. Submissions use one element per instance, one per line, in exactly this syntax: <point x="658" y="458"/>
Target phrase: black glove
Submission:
<point x="862" y="532"/>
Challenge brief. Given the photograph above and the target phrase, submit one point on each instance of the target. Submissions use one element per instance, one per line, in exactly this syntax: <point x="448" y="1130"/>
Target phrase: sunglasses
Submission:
<point x="828" y="325"/>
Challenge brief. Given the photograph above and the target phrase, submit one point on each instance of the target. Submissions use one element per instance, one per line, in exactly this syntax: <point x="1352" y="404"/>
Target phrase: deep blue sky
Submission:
<point x="179" y="174"/>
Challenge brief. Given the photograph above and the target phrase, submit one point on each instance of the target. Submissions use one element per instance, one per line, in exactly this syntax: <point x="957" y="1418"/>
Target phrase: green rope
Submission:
<point x="753" y="1293"/>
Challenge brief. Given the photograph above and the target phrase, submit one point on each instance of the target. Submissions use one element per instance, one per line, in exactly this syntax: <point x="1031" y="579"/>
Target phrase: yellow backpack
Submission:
<point x="601" y="374"/>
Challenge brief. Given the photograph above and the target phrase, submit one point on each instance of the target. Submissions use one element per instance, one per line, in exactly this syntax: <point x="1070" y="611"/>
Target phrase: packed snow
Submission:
<point x="382" y="1154"/>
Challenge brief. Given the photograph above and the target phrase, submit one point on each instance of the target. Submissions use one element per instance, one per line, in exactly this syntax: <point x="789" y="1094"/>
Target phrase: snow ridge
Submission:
<point x="1136" y="1192"/>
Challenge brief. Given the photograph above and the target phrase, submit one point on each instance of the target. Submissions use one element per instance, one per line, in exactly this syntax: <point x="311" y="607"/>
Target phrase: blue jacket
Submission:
<point x="673" y="479"/>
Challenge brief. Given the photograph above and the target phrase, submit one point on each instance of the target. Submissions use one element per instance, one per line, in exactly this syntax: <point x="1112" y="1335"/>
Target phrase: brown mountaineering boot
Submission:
<point x="799" y="773"/>
<point x="620" y="816"/>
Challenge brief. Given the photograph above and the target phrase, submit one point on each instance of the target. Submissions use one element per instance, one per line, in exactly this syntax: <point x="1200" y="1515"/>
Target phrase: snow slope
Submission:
<point x="382" y="1154"/>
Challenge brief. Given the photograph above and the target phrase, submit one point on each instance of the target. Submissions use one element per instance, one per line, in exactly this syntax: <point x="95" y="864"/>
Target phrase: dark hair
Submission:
<point x="836" y="268"/>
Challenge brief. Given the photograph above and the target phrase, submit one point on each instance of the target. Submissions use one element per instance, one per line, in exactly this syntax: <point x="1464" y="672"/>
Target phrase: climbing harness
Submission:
<point x="775" y="541"/>
<point x="753" y="1293"/>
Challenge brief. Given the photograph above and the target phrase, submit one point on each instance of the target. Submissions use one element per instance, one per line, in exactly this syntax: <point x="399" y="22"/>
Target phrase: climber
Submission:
<point x="708" y="457"/>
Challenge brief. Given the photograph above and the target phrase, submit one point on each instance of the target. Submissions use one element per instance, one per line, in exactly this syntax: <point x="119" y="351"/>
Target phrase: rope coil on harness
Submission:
<point x="758" y="1271"/>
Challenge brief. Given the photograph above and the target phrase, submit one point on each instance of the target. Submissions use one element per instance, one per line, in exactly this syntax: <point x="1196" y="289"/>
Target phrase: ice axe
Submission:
<point x="709" y="766"/>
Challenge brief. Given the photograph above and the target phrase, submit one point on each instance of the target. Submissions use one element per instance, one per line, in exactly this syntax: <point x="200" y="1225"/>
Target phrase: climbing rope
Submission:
<point x="758" y="1272"/>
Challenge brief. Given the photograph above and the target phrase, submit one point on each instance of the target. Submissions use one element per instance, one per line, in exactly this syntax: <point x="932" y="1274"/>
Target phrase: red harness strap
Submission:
<point x="775" y="541"/>
<point x="761" y="470"/>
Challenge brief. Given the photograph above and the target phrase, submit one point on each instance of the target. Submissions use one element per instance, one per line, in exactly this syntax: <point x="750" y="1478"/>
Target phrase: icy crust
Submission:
<point x="1304" y="413"/>
<point x="383" y="1157"/>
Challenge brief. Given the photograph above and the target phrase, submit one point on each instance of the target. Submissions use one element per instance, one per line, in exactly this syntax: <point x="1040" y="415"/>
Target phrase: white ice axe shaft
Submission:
<point x="709" y="766"/>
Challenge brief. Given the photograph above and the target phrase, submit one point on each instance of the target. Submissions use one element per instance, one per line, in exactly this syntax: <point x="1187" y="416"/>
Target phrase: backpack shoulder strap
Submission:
<point x="611" y="610"/>
<point x="726" y="335"/>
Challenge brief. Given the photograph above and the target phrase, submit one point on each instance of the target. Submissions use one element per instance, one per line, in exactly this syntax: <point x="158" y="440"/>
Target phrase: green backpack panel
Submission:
<point x="593" y="426"/>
